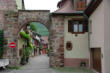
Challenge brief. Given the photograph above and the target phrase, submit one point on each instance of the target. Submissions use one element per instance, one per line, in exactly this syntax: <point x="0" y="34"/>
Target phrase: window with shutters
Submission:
<point x="77" y="26"/>
<point x="80" y="5"/>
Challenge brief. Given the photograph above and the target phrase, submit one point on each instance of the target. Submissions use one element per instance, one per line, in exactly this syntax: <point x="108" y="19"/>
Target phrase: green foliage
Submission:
<point x="72" y="70"/>
<point x="40" y="47"/>
<point x="33" y="27"/>
<point x="26" y="55"/>
<point x="47" y="50"/>
<point x="14" y="67"/>
<point x="26" y="36"/>
<point x="30" y="45"/>
<point x="1" y="43"/>
<point x="41" y="29"/>
<point x="27" y="51"/>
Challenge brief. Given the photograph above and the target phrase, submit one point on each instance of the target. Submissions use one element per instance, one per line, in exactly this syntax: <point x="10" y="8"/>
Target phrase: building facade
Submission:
<point x="20" y="4"/>
<point x="71" y="43"/>
<point x="73" y="48"/>
<point x="98" y="14"/>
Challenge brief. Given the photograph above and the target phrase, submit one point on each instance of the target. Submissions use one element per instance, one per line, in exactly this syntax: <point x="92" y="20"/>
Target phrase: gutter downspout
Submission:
<point x="88" y="38"/>
<point x="23" y="5"/>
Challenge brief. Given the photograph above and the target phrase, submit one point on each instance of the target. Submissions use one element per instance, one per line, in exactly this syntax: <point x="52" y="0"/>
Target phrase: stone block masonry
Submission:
<point x="10" y="34"/>
<point x="8" y="5"/>
<point x="12" y="21"/>
<point x="57" y="41"/>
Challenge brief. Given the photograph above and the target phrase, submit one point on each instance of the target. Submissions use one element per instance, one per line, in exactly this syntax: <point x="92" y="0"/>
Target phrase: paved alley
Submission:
<point x="39" y="64"/>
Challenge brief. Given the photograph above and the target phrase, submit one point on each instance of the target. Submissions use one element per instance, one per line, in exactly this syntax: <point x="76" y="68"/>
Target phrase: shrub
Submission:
<point x="1" y="43"/>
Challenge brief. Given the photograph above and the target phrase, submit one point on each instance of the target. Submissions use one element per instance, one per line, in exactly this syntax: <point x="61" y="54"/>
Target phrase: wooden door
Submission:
<point x="96" y="59"/>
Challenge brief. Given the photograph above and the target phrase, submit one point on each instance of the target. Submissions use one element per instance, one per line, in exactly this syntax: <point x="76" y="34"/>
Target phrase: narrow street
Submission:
<point x="39" y="64"/>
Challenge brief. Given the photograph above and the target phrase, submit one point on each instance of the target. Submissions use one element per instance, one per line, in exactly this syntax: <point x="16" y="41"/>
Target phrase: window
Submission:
<point x="77" y="27"/>
<point x="81" y="5"/>
<point x="80" y="28"/>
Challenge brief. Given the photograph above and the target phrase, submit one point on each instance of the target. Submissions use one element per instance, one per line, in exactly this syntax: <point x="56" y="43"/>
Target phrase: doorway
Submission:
<point x="96" y="59"/>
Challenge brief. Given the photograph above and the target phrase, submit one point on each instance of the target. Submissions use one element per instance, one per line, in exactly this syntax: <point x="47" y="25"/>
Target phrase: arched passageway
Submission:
<point x="33" y="41"/>
<point x="55" y="27"/>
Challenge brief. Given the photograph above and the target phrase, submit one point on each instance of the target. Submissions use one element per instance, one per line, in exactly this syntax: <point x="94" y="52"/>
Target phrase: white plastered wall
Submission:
<point x="97" y="29"/>
<point x="79" y="43"/>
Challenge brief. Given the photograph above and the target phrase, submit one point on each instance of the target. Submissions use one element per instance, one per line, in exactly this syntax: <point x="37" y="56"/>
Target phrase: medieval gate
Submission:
<point x="15" y="21"/>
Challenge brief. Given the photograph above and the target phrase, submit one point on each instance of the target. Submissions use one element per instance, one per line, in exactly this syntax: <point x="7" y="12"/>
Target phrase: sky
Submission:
<point x="41" y="4"/>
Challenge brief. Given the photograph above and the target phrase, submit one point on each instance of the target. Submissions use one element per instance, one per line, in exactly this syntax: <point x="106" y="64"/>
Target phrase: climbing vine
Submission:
<point x="26" y="50"/>
<point x="1" y="43"/>
<point x="27" y="37"/>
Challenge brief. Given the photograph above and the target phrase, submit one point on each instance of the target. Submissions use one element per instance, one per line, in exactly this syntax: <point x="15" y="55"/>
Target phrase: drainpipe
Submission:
<point x="88" y="39"/>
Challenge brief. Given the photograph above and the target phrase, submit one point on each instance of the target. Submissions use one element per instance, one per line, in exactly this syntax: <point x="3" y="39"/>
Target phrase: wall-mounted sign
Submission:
<point x="12" y="45"/>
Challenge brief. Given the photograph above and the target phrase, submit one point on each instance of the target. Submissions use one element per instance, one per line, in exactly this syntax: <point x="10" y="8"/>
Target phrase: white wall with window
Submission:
<point x="79" y="42"/>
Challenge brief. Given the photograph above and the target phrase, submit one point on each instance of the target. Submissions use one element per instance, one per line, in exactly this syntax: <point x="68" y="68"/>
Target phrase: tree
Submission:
<point x="33" y="27"/>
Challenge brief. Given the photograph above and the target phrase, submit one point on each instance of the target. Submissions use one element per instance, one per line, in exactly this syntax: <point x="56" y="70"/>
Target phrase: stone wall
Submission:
<point x="1" y="20"/>
<point x="8" y="23"/>
<point x="12" y="22"/>
<point x="27" y="16"/>
<point x="10" y="35"/>
<point x="8" y="5"/>
<point x="57" y="41"/>
<point x="15" y="21"/>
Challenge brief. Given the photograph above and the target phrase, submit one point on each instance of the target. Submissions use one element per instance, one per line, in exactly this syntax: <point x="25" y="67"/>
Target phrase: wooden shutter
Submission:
<point x="85" y="27"/>
<point x="70" y="26"/>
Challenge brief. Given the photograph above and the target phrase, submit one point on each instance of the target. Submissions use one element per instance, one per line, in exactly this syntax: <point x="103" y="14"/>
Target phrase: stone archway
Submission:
<point x="26" y="16"/>
<point x="55" y="25"/>
<point x="15" y="21"/>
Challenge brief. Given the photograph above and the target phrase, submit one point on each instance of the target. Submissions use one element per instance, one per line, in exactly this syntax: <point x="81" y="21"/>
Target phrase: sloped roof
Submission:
<point x="66" y="8"/>
<point x="60" y="3"/>
<point x="92" y="7"/>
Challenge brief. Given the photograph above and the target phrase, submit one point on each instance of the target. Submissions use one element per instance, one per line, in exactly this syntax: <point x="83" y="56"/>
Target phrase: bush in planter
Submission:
<point x="26" y="55"/>
<point x="23" y="61"/>
<point x="26" y="51"/>
<point x="83" y="64"/>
